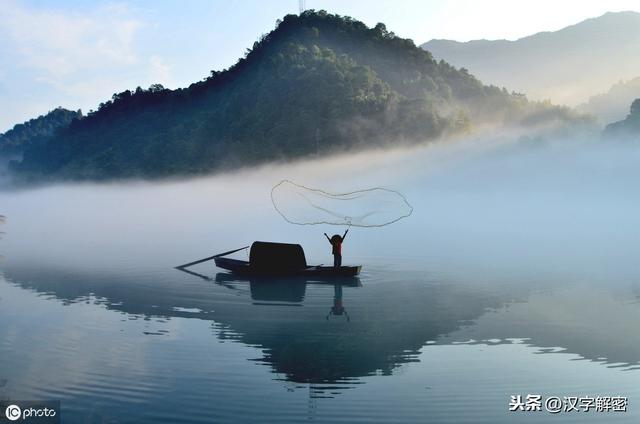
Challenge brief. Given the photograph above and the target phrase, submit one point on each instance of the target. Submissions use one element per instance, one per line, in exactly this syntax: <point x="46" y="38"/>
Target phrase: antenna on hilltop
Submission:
<point x="301" y="6"/>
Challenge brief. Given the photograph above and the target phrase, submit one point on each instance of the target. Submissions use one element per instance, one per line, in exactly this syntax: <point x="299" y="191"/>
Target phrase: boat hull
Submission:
<point x="245" y="268"/>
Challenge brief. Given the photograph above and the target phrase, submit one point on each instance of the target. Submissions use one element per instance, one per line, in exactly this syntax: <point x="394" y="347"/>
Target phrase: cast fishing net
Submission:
<point x="371" y="207"/>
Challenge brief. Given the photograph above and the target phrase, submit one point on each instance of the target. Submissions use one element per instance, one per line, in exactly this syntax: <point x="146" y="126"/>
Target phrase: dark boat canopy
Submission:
<point x="268" y="256"/>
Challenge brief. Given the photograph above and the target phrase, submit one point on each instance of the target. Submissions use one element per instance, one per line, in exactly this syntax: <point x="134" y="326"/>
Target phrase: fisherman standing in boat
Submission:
<point x="336" y="243"/>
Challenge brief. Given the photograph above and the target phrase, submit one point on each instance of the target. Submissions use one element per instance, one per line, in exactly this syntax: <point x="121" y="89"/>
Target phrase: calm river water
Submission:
<point x="510" y="278"/>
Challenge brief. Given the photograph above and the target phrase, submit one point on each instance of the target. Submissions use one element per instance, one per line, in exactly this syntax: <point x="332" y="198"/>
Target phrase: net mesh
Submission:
<point x="371" y="207"/>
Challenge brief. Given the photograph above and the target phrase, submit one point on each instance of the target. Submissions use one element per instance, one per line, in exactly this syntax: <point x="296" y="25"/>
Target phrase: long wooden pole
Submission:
<point x="199" y="261"/>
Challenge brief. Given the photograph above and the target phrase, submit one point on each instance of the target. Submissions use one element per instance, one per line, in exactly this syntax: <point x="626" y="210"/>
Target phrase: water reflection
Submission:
<point x="313" y="342"/>
<point x="273" y="289"/>
<point x="330" y="335"/>
<point x="338" y="308"/>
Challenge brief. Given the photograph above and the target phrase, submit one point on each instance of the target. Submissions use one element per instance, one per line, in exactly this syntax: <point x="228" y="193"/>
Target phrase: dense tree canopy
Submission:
<point x="317" y="83"/>
<point x="635" y="109"/>
<point x="36" y="130"/>
<point x="630" y="127"/>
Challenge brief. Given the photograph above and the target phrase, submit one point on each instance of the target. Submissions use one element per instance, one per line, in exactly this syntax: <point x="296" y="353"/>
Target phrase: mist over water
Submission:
<point x="512" y="245"/>
<point x="570" y="204"/>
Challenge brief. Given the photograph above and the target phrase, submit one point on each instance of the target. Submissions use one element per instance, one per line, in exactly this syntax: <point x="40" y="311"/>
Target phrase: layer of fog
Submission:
<point x="557" y="207"/>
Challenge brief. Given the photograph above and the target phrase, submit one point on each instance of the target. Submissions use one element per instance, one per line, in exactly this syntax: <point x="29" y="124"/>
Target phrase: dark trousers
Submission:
<point x="337" y="260"/>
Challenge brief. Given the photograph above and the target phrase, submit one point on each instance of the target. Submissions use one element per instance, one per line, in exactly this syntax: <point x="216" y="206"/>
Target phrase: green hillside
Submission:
<point x="317" y="84"/>
<point x="34" y="131"/>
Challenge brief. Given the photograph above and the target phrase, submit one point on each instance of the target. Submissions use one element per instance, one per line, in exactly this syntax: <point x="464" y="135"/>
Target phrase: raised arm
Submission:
<point x="345" y="234"/>
<point x="325" y="234"/>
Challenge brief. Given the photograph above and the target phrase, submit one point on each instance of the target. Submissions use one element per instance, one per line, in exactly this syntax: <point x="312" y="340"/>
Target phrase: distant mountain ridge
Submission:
<point x="566" y="66"/>
<point x="614" y="104"/>
<point x="318" y="83"/>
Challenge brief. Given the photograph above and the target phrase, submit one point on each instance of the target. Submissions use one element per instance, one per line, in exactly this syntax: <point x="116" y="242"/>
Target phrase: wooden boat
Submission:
<point x="281" y="259"/>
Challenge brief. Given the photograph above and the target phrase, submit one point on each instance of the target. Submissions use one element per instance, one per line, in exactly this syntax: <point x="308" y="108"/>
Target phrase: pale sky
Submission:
<point x="75" y="54"/>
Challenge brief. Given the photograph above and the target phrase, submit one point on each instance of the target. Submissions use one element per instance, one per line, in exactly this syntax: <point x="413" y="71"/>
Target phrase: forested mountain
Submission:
<point x="628" y="128"/>
<point x="614" y="104"/>
<point x="316" y="84"/>
<point x="35" y="131"/>
<point x="566" y="66"/>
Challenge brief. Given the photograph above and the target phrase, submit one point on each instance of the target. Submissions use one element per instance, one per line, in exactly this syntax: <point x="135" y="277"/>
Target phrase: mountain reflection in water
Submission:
<point x="387" y="326"/>
<point x="389" y="319"/>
